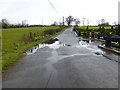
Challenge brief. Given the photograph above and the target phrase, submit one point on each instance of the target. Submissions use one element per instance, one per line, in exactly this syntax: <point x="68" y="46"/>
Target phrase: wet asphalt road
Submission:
<point x="67" y="63"/>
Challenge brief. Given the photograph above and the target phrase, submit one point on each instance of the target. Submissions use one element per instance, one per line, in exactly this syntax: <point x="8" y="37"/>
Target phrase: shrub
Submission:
<point x="28" y="37"/>
<point x="50" y="31"/>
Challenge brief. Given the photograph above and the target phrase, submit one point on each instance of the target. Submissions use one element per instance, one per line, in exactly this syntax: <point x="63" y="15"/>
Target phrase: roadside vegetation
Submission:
<point x="95" y="27"/>
<point x="101" y="33"/>
<point x="15" y="41"/>
<point x="99" y="29"/>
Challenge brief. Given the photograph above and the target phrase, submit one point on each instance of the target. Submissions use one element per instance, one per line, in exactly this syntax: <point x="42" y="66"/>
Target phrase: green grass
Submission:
<point x="12" y="45"/>
<point x="94" y="27"/>
<point x="107" y="29"/>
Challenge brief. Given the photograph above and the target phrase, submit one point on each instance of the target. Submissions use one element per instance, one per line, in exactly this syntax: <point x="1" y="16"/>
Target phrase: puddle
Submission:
<point x="51" y="43"/>
<point x="85" y="42"/>
<point x="91" y="45"/>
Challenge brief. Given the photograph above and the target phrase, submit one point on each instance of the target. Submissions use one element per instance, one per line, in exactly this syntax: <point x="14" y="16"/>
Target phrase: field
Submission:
<point x="95" y="27"/>
<point x="12" y="45"/>
<point x="107" y="29"/>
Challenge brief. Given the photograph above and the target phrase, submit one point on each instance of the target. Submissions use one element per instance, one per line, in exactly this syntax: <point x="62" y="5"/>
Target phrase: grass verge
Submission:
<point x="11" y="53"/>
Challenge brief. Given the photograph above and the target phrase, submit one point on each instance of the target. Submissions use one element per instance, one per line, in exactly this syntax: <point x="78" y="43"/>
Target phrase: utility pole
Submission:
<point x="63" y="21"/>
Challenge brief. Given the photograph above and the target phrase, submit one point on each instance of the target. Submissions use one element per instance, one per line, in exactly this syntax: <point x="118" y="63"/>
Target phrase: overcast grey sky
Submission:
<point x="34" y="10"/>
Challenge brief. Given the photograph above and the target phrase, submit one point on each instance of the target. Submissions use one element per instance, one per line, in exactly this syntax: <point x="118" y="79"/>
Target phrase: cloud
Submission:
<point x="32" y="10"/>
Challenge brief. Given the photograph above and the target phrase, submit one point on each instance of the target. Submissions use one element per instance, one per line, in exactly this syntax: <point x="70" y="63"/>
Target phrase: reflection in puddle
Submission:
<point x="85" y="43"/>
<point x="92" y="46"/>
<point x="51" y="43"/>
<point x="88" y="44"/>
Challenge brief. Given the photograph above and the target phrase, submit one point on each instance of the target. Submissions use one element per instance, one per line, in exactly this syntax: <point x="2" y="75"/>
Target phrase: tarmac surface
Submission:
<point x="69" y="62"/>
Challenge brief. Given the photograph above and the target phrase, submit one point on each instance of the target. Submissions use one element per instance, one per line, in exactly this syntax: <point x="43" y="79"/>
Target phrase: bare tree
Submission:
<point x="24" y="22"/>
<point x="83" y="21"/>
<point x="69" y="20"/>
<point x="88" y="22"/>
<point x="103" y="21"/>
<point x="5" y="23"/>
<point x="77" y="21"/>
<point x="98" y="22"/>
<point x="60" y="24"/>
<point x="55" y="23"/>
<point x="115" y="23"/>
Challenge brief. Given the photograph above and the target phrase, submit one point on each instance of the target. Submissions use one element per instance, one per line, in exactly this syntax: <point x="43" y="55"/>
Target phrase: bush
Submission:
<point x="28" y="38"/>
<point x="50" y="31"/>
<point x="34" y="36"/>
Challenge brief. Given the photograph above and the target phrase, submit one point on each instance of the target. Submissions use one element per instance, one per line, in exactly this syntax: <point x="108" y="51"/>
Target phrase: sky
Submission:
<point x="41" y="12"/>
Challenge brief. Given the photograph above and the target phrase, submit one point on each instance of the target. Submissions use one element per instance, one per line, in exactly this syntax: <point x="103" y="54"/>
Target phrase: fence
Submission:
<point x="111" y="40"/>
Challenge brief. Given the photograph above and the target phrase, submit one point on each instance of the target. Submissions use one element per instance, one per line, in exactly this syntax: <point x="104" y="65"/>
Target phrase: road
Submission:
<point x="70" y="62"/>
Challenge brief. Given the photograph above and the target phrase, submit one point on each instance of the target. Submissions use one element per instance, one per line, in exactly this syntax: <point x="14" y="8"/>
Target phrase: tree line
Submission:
<point x="70" y="20"/>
